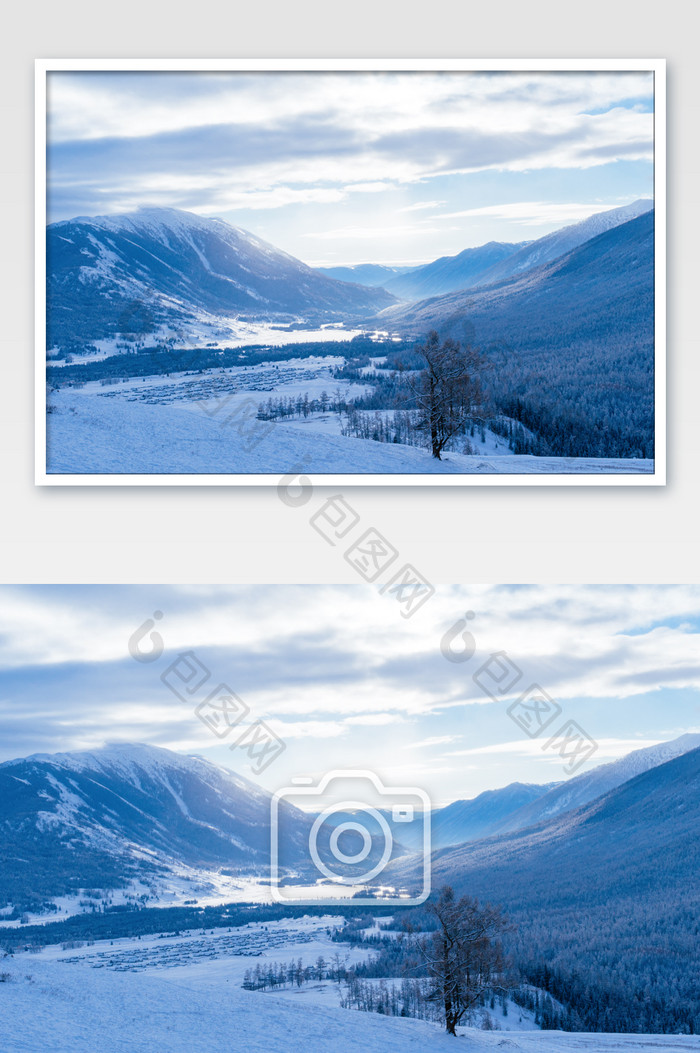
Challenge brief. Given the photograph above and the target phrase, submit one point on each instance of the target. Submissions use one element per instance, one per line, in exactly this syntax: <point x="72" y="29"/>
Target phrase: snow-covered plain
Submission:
<point x="224" y="332"/>
<point x="186" y="996"/>
<point x="204" y="424"/>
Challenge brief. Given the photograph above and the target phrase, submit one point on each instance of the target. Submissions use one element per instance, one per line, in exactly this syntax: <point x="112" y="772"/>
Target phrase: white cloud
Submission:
<point x="386" y="128"/>
<point x="373" y="719"/>
<point x="375" y="233"/>
<point x="306" y="729"/>
<point x="436" y="740"/>
<point x="534" y="212"/>
<point x="608" y="748"/>
<point x="337" y="666"/>
<point x="418" y="206"/>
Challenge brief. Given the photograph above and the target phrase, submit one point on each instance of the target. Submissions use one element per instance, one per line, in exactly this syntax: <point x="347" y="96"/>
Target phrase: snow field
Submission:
<point x="186" y="997"/>
<point x="89" y="434"/>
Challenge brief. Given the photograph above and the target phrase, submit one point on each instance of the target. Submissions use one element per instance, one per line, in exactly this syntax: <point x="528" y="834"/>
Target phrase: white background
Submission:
<point x="183" y="534"/>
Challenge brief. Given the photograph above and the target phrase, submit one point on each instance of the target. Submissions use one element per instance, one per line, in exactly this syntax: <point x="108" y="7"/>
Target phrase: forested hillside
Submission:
<point x="569" y="346"/>
<point x="605" y="901"/>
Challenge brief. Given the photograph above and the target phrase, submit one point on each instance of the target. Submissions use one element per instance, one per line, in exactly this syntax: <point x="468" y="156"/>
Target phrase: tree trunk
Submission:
<point x="434" y="437"/>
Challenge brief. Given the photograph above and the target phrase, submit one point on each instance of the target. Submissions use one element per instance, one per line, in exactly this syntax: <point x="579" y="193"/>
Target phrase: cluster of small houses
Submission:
<point x="241" y="943"/>
<point x="210" y="385"/>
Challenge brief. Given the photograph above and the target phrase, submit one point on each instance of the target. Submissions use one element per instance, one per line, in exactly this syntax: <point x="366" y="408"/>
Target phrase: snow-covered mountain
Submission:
<point x="100" y="818"/>
<point x="520" y="805"/>
<point x="105" y="817"/>
<point x="486" y="264"/>
<point x="142" y="270"/>
<point x="576" y="792"/>
<point x="467" y="820"/>
<point x="559" y="242"/>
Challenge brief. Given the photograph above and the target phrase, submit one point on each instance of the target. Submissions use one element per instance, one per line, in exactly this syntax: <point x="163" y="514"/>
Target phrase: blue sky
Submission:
<point x="340" y="168"/>
<point x="346" y="682"/>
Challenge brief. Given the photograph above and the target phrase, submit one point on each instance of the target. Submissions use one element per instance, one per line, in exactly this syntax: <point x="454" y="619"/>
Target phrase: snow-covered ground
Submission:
<point x="204" y="424"/>
<point x="181" y="994"/>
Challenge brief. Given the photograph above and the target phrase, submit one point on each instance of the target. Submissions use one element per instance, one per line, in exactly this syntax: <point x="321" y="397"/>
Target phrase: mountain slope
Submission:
<point x="463" y="821"/>
<point x="141" y="270"/>
<point x="450" y="273"/>
<point x="569" y="345"/>
<point x="606" y="896"/>
<point x="471" y="820"/>
<point x="642" y="831"/>
<point x="497" y="261"/>
<point x="559" y="242"/>
<point x="76" y="820"/>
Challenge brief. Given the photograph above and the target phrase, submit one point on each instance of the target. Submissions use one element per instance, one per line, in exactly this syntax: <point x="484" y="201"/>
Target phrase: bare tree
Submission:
<point x="448" y="389"/>
<point x="464" y="957"/>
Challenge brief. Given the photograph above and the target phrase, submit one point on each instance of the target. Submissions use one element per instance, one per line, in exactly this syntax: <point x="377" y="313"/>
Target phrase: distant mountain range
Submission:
<point x="520" y="805"/>
<point x="581" y="790"/>
<point x="470" y="820"/>
<point x="369" y="274"/>
<point x="557" y="815"/>
<point x="644" y="826"/>
<point x="567" y="298"/>
<point x="490" y="263"/>
<point x="464" y="271"/>
<point x="105" y="817"/>
<point x="480" y="817"/>
<point x="162" y="267"/>
<point x="559" y="242"/>
<point x="161" y="270"/>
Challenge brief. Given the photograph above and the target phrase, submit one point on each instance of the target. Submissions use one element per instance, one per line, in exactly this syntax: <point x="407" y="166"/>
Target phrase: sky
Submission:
<point x="354" y="167"/>
<point x="346" y="682"/>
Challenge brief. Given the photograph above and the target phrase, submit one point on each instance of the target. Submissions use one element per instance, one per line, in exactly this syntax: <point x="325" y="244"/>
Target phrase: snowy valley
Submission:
<point x="164" y="327"/>
<point x="129" y="909"/>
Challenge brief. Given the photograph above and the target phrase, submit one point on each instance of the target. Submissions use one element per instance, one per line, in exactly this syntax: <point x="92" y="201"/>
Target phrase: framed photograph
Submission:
<point x="394" y="831"/>
<point x="369" y="271"/>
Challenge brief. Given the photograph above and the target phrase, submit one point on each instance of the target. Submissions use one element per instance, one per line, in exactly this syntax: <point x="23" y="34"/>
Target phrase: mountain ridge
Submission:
<point x="137" y="272"/>
<point x="105" y="817"/>
<point x="584" y="788"/>
<point x="561" y="241"/>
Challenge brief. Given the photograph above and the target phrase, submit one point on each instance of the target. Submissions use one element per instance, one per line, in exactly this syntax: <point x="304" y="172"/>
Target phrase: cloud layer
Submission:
<point x="337" y="666"/>
<point x="286" y="152"/>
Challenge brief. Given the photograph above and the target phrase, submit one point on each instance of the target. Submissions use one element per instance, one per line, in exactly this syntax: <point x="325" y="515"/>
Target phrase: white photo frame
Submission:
<point x="655" y="66"/>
